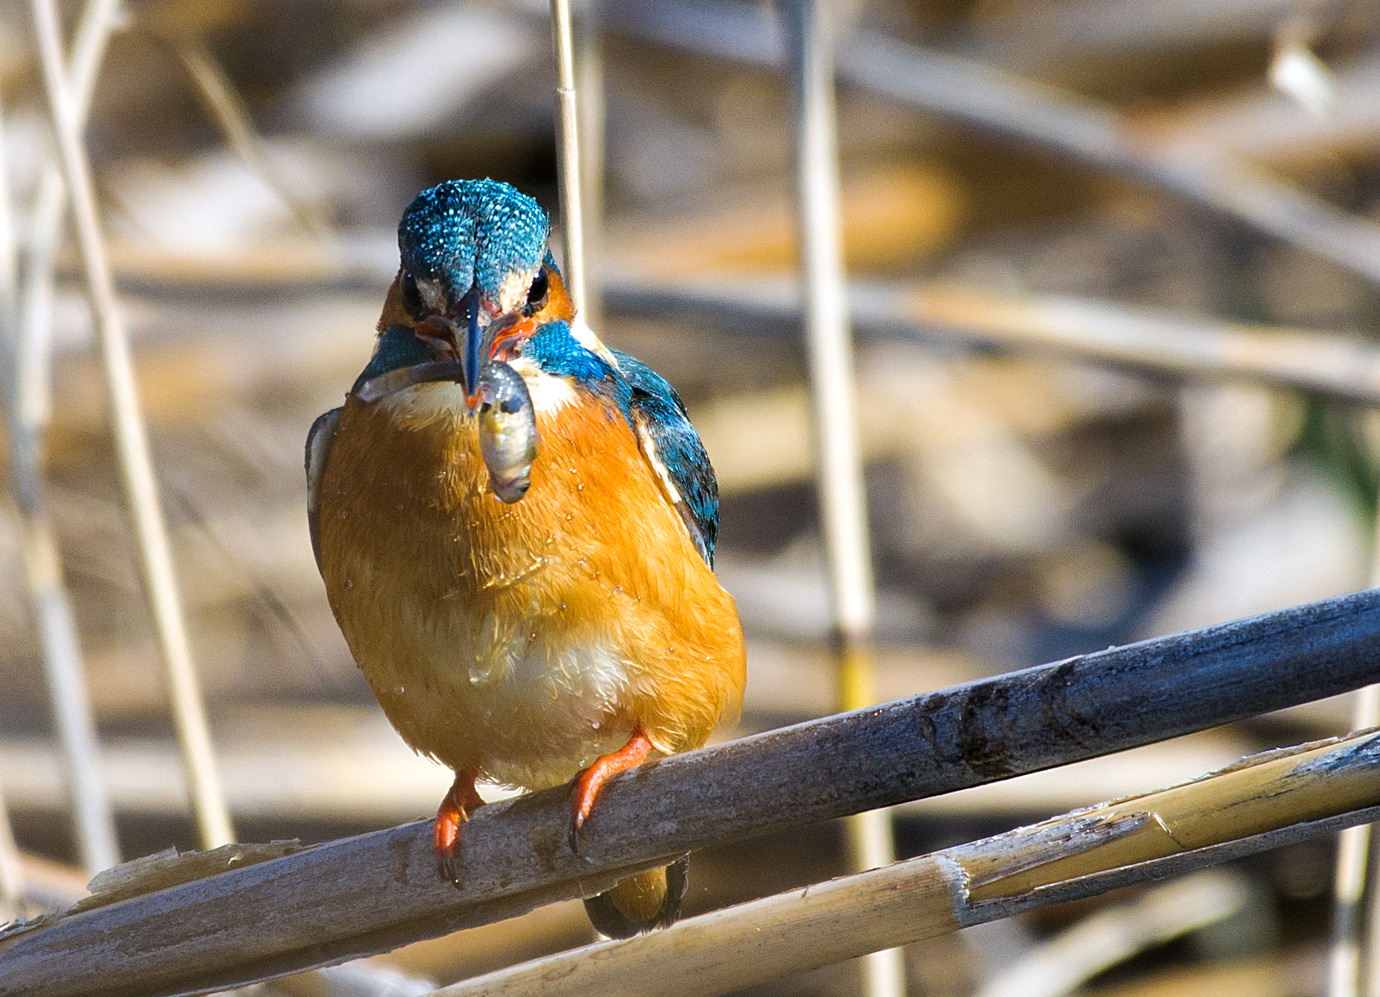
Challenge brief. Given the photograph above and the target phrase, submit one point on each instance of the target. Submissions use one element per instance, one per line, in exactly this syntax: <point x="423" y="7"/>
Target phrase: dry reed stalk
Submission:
<point x="839" y="479"/>
<point x="1258" y="803"/>
<point x="1151" y="341"/>
<point x="370" y="893"/>
<point x="88" y="801"/>
<point x="131" y="439"/>
<point x="568" y="153"/>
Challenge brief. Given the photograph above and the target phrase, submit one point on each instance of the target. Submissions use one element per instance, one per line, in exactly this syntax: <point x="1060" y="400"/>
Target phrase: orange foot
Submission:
<point x="455" y="808"/>
<point x="589" y="782"/>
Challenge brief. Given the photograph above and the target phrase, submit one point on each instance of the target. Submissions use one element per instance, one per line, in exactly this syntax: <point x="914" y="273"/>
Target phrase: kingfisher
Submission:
<point x="515" y="525"/>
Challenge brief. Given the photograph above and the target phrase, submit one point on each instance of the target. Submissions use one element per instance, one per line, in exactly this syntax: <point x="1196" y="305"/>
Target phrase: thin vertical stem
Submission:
<point x="568" y="153"/>
<point x="34" y="347"/>
<point x="131" y="440"/>
<point x="1368" y="938"/>
<point x="589" y="70"/>
<point x="829" y="348"/>
<point x="92" y="817"/>
<point x="1349" y="972"/>
<point x="98" y="21"/>
<point x="1349" y="882"/>
<point x="827" y="330"/>
<point x="92" y="813"/>
<point x="11" y="875"/>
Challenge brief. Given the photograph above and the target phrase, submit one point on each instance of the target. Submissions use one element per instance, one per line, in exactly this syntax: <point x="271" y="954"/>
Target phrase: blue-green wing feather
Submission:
<point x="658" y="410"/>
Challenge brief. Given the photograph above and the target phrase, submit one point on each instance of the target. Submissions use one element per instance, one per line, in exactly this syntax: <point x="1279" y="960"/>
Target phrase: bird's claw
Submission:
<point x="588" y="784"/>
<point x="450" y="817"/>
<point x="577" y="837"/>
<point x="447" y="869"/>
<point x="447" y="844"/>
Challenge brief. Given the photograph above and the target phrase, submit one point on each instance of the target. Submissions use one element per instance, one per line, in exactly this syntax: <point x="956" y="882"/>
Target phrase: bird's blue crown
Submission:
<point x="473" y="233"/>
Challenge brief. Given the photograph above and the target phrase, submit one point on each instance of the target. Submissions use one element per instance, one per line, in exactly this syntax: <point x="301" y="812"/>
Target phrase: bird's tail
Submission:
<point x="639" y="903"/>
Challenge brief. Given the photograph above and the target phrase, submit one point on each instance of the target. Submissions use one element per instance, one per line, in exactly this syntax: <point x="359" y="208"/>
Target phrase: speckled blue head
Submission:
<point x="475" y="233"/>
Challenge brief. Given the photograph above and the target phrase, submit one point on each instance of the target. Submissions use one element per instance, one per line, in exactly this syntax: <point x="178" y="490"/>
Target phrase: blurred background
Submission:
<point x="1115" y="271"/>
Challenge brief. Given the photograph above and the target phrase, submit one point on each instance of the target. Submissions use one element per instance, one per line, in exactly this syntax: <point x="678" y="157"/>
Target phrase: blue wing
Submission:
<point x="665" y="429"/>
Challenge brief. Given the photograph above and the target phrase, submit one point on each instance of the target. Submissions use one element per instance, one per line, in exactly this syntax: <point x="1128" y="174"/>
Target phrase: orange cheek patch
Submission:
<point x="558" y="307"/>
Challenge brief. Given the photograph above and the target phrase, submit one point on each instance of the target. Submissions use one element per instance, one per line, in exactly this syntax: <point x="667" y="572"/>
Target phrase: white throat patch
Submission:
<point x="549" y="392"/>
<point x="427" y="402"/>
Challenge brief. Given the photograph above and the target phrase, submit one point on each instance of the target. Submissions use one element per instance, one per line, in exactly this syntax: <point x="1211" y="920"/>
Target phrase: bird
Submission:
<point x="522" y="567"/>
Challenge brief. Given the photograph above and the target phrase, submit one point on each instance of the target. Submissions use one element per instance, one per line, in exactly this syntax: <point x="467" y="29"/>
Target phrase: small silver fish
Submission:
<point x="507" y="430"/>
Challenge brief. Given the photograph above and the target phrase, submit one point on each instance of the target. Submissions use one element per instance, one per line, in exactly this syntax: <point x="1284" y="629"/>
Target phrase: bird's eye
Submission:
<point x="536" y="294"/>
<point x="412" y="297"/>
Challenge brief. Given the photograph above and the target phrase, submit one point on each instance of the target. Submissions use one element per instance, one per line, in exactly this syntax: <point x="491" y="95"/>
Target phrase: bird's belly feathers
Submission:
<point x="522" y="640"/>
<point x="530" y="710"/>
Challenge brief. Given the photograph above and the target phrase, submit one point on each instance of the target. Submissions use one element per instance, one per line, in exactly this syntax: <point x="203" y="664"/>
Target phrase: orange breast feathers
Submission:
<point x="524" y="640"/>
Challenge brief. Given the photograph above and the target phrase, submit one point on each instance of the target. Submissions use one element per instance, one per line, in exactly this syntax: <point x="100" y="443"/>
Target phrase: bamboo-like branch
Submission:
<point x="1029" y="111"/>
<point x="839" y="476"/>
<point x="374" y="892"/>
<point x="131" y="439"/>
<point x="1079" y="329"/>
<point x="1253" y="805"/>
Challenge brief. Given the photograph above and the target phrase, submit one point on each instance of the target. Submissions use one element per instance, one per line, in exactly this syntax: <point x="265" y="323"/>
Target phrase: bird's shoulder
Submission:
<point x="656" y="414"/>
<point x="675" y="450"/>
